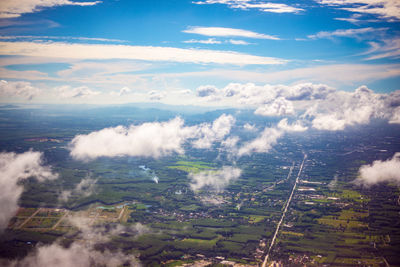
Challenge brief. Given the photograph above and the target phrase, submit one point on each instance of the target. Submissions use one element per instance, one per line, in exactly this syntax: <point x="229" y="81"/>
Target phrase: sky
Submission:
<point x="188" y="52"/>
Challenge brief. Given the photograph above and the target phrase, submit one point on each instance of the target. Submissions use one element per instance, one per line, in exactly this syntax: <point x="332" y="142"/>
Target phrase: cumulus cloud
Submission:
<point x="279" y="107"/>
<point x="124" y="91"/>
<point x="380" y="171"/>
<point x="15" y="168"/>
<point x="18" y="89"/>
<point x="216" y="180"/>
<point x="261" y="144"/>
<point x="156" y="95"/>
<point x="253" y="4"/>
<point x="208" y="134"/>
<point x="67" y="91"/>
<point x="324" y="107"/>
<point x="206" y="90"/>
<point x="294" y="127"/>
<point x="251" y="94"/>
<point x="249" y="127"/>
<point x="84" y="188"/>
<point x="228" y="32"/>
<point x="349" y="108"/>
<point x="148" y="139"/>
<point x="152" y="139"/>
<point x="13" y="9"/>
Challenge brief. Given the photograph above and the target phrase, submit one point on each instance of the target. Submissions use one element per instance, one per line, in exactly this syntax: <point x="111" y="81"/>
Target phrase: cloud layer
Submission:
<point x="13" y="9"/>
<point x="147" y="53"/>
<point x="321" y="106"/>
<point x="15" y="168"/>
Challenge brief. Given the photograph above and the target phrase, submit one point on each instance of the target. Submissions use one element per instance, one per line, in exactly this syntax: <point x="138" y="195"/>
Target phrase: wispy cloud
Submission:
<point x="14" y="9"/>
<point x="33" y="37"/>
<point x="385" y="9"/>
<point x="215" y="41"/>
<point x="208" y="41"/>
<point x="228" y="32"/>
<point x="352" y="33"/>
<point x="146" y="53"/>
<point x="389" y="48"/>
<point x="238" y="42"/>
<point x="253" y="4"/>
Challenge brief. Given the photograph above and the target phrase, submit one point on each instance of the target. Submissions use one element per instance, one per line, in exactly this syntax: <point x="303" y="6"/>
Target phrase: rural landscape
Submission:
<point x="199" y="133"/>
<point x="293" y="204"/>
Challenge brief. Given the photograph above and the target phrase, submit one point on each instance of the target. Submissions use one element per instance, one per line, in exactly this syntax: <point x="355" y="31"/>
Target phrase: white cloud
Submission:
<point x="215" y="180"/>
<point x="42" y="37"/>
<point x="390" y="48"/>
<point x="67" y="91"/>
<point x="294" y="127"/>
<point x="156" y="95"/>
<point x="18" y="89"/>
<point x="353" y="33"/>
<point x="77" y="254"/>
<point x="350" y="74"/>
<point x="249" y="127"/>
<point x="152" y="139"/>
<point x="385" y="9"/>
<point x="83" y="252"/>
<point x="380" y="171"/>
<point x="84" y="188"/>
<point x="395" y="118"/>
<point x="261" y="144"/>
<point x="253" y="4"/>
<point x="147" y="53"/>
<point x="208" y="134"/>
<point x="13" y="9"/>
<point x="345" y="109"/>
<point x="326" y="108"/>
<point x="15" y="168"/>
<point x="228" y="32"/>
<point x="206" y="90"/>
<point x="279" y="107"/>
<point x="208" y="41"/>
<point x="148" y="139"/>
<point x="124" y="91"/>
<point x="238" y="42"/>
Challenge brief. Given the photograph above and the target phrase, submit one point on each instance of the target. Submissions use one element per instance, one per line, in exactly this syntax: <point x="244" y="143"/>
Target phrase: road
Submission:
<point x="284" y="212"/>
<point x="59" y="221"/>
<point x="30" y="217"/>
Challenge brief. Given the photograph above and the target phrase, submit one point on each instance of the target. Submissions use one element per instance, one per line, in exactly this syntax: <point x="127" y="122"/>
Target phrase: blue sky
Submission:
<point x="66" y="51"/>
